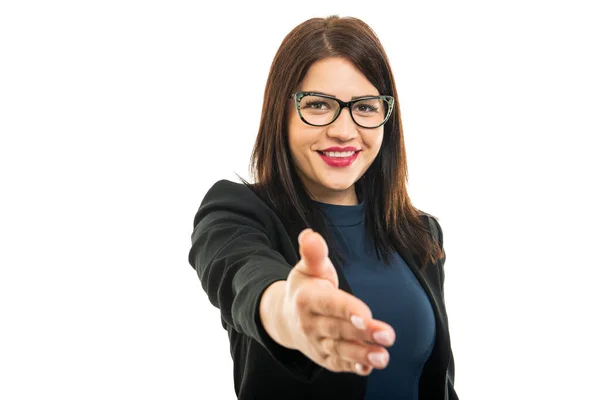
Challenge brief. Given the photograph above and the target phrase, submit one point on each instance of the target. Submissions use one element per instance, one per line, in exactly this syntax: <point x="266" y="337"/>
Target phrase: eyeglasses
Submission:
<point x="318" y="109"/>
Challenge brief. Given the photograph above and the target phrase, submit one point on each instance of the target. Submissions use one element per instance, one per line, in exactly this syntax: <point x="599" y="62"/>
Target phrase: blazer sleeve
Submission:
<point x="236" y="262"/>
<point x="437" y="231"/>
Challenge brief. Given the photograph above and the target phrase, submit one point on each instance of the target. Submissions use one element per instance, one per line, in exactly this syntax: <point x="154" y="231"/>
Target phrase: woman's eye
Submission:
<point x="316" y="105"/>
<point x="365" y="108"/>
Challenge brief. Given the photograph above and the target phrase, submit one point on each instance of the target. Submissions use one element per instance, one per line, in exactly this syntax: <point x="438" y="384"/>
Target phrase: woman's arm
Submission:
<point x="439" y="234"/>
<point x="235" y="261"/>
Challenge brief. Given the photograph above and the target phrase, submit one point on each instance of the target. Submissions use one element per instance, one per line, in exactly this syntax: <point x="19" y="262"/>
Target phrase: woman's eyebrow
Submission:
<point x="332" y="95"/>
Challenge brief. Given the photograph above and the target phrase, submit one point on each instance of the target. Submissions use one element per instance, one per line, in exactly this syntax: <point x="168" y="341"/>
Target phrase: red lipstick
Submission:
<point x="339" y="161"/>
<point x="337" y="148"/>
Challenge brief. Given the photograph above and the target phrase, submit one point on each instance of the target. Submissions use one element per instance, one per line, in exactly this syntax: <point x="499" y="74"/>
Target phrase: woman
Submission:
<point x="329" y="282"/>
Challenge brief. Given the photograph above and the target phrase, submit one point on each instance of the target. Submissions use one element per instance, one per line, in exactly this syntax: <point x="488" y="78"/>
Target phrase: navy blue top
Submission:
<point x="394" y="296"/>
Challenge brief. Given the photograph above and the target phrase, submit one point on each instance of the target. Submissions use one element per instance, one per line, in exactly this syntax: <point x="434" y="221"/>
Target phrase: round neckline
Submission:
<point x="343" y="215"/>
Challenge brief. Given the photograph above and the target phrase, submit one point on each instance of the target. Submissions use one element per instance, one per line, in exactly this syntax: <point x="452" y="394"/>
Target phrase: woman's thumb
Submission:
<point x="314" y="256"/>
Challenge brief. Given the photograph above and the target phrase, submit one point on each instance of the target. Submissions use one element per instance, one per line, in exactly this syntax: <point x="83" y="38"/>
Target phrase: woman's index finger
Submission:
<point x="339" y="304"/>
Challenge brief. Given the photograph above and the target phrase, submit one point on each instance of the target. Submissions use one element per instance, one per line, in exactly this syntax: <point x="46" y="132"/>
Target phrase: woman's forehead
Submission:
<point x="337" y="77"/>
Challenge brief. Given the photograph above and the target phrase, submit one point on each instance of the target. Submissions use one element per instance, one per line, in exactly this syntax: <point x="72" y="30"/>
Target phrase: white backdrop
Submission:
<point x="117" y="116"/>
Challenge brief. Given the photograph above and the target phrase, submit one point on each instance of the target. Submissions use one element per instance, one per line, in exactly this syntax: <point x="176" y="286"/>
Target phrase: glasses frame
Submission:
<point x="298" y="96"/>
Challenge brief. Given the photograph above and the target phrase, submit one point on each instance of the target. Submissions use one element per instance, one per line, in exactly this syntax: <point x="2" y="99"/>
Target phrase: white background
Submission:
<point x="117" y="116"/>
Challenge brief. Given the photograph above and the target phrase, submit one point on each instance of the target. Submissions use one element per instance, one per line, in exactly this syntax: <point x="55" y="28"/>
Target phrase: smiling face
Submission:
<point x="328" y="177"/>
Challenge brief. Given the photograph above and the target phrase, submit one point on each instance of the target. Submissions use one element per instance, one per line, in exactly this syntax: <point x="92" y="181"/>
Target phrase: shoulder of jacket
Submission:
<point x="233" y="198"/>
<point x="228" y="191"/>
<point x="227" y="186"/>
<point x="434" y="226"/>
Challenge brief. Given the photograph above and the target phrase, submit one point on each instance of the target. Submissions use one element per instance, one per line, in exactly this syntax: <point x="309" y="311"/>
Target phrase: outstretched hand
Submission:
<point x="331" y="327"/>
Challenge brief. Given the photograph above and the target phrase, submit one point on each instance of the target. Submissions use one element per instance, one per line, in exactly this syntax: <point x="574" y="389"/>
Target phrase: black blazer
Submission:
<point x="239" y="247"/>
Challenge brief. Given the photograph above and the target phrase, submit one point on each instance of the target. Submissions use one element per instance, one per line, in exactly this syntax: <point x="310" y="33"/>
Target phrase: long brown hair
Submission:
<point x="391" y="220"/>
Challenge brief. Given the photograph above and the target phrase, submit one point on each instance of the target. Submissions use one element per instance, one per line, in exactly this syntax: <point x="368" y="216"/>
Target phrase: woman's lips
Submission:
<point x="338" y="161"/>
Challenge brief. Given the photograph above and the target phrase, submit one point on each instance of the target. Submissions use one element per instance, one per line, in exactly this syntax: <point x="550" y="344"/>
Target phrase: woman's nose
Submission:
<point x="343" y="127"/>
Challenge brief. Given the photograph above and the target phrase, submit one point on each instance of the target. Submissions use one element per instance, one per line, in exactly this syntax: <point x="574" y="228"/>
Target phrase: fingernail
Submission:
<point x="377" y="359"/>
<point x="383" y="337"/>
<point x="361" y="369"/>
<point x="358" y="322"/>
<point x="304" y="232"/>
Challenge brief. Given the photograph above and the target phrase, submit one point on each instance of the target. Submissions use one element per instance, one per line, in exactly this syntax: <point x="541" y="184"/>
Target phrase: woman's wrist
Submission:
<point x="271" y="313"/>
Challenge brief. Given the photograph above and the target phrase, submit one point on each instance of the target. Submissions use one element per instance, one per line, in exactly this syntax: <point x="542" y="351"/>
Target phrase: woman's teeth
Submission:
<point x="338" y="153"/>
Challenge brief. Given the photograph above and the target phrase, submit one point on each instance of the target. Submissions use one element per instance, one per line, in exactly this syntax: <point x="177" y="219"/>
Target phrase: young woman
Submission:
<point x="329" y="281"/>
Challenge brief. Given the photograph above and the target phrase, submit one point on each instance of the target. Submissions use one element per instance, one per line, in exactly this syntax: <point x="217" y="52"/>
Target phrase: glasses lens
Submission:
<point x="318" y="110"/>
<point x="370" y="112"/>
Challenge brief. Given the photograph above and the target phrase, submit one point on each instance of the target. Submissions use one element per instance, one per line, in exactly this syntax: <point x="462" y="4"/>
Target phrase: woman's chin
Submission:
<point x="338" y="186"/>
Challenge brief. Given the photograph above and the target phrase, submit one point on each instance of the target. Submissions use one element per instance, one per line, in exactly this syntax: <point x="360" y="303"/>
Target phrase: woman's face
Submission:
<point x="327" y="182"/>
